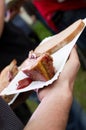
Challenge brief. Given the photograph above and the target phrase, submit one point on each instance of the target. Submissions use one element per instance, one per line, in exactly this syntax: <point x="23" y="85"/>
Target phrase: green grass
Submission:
<point x="41" y="30"/>
<point x="80" y="83"/>
<point x="80" y="88"/>
<point x="31" y="104"/>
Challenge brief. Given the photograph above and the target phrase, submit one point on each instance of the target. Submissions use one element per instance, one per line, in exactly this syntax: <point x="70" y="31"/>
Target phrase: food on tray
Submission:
<point x="39" y="65"/>
<point x="39" y="68"/>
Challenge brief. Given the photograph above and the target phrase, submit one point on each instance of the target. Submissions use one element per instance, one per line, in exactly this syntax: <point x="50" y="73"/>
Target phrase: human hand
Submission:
<point x="66" y="79"/>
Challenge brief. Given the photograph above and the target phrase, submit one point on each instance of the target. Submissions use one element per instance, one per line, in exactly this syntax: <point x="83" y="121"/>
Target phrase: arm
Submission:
<point x="2" y="12"/>
<point x="56" y="100"/>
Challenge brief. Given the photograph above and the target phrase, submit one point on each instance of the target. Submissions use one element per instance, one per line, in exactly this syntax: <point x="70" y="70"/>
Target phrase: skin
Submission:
<point x="2" y="12"/>
<point x="56" y="99"/>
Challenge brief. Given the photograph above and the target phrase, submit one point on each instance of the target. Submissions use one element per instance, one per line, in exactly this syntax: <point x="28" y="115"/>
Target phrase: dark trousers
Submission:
<point x="8" y="120"/>
<point x="14" y="44"/>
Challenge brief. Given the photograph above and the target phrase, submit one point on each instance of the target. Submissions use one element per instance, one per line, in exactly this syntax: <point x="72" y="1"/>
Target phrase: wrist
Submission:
<point x="62" y="88"/>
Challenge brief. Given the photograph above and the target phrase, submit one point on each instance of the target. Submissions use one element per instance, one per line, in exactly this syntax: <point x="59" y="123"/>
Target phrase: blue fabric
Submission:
<point x="19" y="22"/>
<point x="77" y="117"/>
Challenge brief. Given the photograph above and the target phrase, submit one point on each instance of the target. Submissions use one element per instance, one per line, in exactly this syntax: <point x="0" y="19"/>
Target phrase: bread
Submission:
<point x="40" y="68"/>
<point x="7" y="74"/>
<point x="61" y="39"/>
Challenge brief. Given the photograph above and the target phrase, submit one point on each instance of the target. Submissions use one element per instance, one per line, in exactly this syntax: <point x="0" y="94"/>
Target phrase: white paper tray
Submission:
<point x="60" y="57"/>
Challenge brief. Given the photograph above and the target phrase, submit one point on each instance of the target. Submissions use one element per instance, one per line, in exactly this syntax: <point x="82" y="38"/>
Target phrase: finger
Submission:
<point x="74" y="59"/>
<point x="73" y="64"/>
<point x="75" y="46"/>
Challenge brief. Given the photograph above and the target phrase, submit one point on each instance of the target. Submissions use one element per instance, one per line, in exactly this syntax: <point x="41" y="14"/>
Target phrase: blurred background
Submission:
<point x="28" y="19"/>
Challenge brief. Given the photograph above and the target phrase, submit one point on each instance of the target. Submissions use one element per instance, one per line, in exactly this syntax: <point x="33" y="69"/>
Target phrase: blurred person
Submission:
<point x="20" y="22"/>
<point x="20" y="18"/>
<point x="34" y="13"/>
<point x="14" y="42"/>
<point x="59" y="14"/>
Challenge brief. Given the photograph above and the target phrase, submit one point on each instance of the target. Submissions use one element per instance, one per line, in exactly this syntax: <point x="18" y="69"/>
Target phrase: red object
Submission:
<point x="24" y="83"/>
<point x="48" y="7"/>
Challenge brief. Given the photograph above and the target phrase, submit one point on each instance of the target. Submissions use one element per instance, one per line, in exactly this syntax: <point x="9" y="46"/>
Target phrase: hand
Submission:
<point x="57" y="99"/>
<point x="66" y="78"/>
